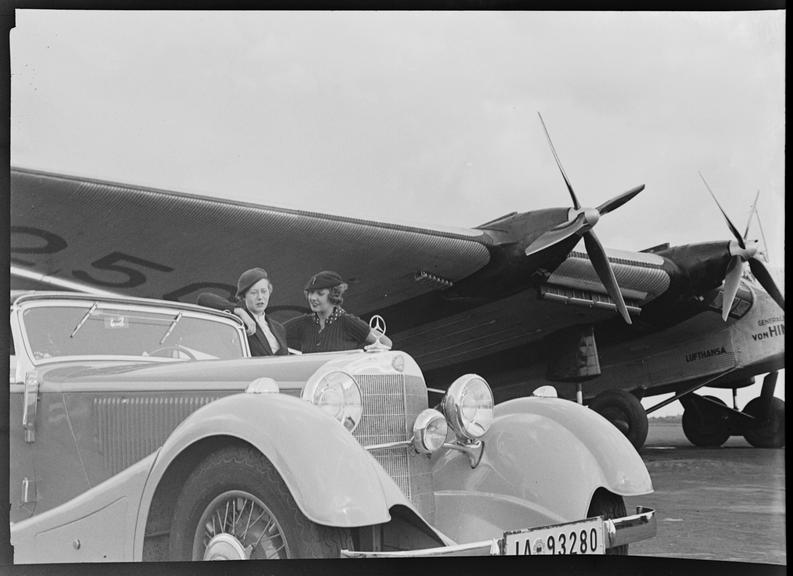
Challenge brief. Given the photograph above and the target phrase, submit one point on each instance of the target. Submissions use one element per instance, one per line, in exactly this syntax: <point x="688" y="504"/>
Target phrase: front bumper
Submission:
<point x="618" y="531"/>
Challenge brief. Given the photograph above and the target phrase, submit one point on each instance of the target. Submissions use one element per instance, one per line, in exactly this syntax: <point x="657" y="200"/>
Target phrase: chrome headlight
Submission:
<point x="429" y="431"/>
<point x="338" y="395"/>
<point x="468" y="406"/>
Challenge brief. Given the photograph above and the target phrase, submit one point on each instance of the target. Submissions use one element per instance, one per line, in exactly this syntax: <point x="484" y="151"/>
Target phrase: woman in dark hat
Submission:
<point x="266" y="337"/>
<point x="328" y="327"/>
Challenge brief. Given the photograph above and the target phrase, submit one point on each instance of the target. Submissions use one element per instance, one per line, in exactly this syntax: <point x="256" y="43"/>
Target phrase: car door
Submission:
<point x="22" y="476"/>
<point x="44" y="464"/>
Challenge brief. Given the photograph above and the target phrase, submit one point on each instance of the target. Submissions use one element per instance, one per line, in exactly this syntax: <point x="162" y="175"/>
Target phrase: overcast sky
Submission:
<point x="429" y="117"/>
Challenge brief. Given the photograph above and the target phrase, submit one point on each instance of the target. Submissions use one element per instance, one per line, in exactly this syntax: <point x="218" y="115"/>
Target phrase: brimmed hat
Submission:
<point x="249" y="278"/>
<point x="324" y="279"/>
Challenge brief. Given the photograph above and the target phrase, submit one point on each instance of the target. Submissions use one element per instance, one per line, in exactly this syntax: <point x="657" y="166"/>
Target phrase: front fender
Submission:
<point x="333" y="480"/>
<point x="542" y="462"/>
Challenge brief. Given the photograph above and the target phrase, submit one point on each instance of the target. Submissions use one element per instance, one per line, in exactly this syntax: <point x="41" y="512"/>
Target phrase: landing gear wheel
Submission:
<point x="769" y="432"/>
<point x="235" y="506"/>
<point x="624" y="411"/>
<point x="705" y="426"/>
<point x="608" y="505"/>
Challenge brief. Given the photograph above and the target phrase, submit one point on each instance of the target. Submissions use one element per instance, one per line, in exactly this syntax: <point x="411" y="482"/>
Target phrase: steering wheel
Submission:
<point x="179" y="349"/>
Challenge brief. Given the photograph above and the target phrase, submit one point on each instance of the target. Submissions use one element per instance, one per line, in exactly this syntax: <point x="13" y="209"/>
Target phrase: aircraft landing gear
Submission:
<point x="766" y="425"/>
<point x="769" y="429"/>
<point x="704" y="424"/>
<point x="624" y="410"/>
<point x="708" y="421"/>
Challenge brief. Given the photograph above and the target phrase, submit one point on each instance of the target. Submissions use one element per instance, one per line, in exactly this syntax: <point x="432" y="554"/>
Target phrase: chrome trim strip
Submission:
<point x="386" y="445"/>
<point x="483" y="548"/>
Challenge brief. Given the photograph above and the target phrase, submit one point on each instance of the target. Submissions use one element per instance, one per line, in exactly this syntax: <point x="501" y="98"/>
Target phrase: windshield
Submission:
<point x="91" y="330"/>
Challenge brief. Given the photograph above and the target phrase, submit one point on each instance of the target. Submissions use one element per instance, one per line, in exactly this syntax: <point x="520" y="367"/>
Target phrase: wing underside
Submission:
<point x="153" y="243"/>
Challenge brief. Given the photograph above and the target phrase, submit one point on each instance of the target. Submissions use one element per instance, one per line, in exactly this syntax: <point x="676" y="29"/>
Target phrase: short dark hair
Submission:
<point x="334" y="293"/>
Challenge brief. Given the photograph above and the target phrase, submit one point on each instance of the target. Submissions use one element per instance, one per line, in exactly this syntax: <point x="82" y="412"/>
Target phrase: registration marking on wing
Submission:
<point x="582" y="537"/>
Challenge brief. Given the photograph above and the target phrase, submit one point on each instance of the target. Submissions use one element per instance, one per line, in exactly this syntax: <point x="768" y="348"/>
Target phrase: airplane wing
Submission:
<point x="449" y="294"/>
<point x="153" y="243"/>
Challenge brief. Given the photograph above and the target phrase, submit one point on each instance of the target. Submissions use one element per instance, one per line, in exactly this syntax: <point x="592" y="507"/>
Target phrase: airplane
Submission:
<point x="511" y="299"/>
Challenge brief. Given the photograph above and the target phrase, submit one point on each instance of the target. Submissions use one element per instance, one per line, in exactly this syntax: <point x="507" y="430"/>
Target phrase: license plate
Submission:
<point x="583" y="537"/>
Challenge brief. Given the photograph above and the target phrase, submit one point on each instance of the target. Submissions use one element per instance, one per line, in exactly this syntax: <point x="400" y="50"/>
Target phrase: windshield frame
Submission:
<point x="17" y="317"/>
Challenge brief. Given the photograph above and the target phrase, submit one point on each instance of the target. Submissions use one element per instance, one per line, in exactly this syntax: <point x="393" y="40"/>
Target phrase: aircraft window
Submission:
<point x="740" y="305"/>
<point x="82" y="331"/>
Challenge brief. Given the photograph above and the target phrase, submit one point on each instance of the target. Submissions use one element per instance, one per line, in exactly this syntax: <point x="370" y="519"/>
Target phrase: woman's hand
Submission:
<point x="250" y="323"/>
<point x="377" y="336"/>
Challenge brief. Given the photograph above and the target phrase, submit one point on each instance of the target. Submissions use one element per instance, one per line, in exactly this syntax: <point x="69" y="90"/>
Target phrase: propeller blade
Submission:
<point x="556" y="235"/>
<point x="576" y="204"/>
<point x="762" y="233"/>
<point x="731" y="282"/>
<point x="766" y="281"/>
<point x="732" y="227"/>
<point x="597" y="255"/>
<point x="619" y="200"/>
<point x="751" y="213"/>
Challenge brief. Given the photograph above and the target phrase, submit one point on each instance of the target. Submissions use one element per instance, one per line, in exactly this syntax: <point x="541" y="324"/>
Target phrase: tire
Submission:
<point x="769" y="433"/>
<point x="241" y="483"/>
<point x="608" y="505"/>
<point x="705" y="427"/>
<point x="625" y="412"/>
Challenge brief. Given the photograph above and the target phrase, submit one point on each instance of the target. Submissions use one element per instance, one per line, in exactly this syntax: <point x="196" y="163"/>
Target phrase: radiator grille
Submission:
<point x="391" y="403"/>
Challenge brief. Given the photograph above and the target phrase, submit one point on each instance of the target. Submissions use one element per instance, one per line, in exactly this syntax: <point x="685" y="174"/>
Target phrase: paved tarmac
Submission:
<point x="724" y="503"/>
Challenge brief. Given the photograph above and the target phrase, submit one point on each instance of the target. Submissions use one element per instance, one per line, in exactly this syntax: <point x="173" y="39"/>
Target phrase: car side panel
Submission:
<point x="97" y="526"/>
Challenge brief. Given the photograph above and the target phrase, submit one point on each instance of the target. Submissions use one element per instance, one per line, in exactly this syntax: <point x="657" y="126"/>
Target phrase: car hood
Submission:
<point x="287" y="371"/>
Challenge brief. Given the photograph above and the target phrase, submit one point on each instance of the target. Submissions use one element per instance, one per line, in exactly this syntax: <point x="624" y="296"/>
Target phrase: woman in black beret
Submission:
<point x="266" y="337"/>
<point x="328" y="327"/>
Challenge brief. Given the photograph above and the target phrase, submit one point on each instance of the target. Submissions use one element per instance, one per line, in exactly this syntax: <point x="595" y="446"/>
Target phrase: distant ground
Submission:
<point x="723" y="503"/>
<point x="676" y="419"/>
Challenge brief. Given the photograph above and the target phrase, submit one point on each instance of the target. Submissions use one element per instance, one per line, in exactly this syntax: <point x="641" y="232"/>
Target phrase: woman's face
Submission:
<point x="257" y="296"/>
<point x="318" y="301"/>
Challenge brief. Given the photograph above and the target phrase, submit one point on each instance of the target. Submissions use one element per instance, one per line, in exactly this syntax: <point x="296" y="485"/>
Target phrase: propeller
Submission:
<point x="756" y="214"/>
<point x="581" y="222"/>
<point x="741" y="253"/>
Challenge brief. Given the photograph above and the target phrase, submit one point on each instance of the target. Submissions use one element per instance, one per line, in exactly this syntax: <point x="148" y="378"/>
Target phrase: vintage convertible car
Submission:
<point x="142" y="430"/>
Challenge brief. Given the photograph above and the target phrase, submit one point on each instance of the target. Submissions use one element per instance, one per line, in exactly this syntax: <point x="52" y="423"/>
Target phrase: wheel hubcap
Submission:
<point x="236" y="525"/>
<point x="225" y="547"/>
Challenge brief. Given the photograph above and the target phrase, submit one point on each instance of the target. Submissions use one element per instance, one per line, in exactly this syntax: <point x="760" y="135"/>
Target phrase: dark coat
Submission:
<point x="257" y="342"/>
<point x="342" y="331"/>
